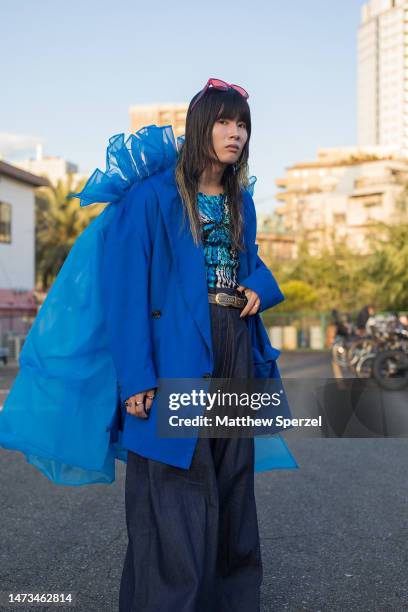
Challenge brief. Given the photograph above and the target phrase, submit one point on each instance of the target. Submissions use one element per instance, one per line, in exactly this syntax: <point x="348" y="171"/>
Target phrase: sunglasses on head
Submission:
<point x="223" y="86"/>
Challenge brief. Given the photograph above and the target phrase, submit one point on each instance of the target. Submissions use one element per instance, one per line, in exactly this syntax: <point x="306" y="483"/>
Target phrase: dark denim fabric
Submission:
<point x="193" y="534"/>
<point x="231" y="342"/>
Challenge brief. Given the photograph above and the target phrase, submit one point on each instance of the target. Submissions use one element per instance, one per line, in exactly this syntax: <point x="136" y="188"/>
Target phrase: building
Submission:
<point x="274" y="244"/>
<point x="17" y="227"/>
<point x="340" y="196"/>
<point x="160" y="115"/>
<point x="382" y="75"/>
<point x="52" y="168"/>
<point x="18" y="301"/>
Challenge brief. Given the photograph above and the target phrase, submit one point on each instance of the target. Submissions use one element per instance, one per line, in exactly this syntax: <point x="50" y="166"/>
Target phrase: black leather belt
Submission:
<point x="225" y="299"/>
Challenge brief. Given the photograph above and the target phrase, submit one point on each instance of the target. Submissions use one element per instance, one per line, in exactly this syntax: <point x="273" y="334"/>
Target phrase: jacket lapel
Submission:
<point x="189" y="258"/>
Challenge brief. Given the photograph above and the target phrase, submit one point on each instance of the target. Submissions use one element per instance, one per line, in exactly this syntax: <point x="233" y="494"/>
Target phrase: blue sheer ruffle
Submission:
<point x="60" y="409"/>
<point x="150" y="150"/>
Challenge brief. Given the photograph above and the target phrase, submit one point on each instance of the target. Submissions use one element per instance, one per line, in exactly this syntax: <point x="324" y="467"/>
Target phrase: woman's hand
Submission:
<point x="253" y="304"/>
<point x="140" y="404"/>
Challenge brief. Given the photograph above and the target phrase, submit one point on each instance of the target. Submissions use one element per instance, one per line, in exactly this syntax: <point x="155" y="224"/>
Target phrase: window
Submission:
<point x="5" y="222"/>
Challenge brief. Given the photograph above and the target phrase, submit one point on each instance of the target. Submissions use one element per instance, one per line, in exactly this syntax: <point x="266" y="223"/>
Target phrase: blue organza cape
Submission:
<point x="65" y="392"/>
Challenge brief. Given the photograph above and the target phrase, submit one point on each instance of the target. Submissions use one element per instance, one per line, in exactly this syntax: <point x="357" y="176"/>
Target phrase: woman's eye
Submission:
<point x="225" y="121"/>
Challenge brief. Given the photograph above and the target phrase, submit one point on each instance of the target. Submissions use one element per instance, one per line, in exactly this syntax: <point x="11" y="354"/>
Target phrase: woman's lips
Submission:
<point x="232" y="148"/>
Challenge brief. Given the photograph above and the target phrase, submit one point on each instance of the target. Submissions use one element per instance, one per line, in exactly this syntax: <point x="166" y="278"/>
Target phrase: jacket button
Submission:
<point x="207" y="375"/>
<point x="156" y="314"/>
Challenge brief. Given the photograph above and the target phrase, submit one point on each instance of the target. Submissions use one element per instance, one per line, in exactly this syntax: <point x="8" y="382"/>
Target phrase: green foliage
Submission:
<point x="59" y="221"/>
<point x="343" y="279"/>
<point x="388" y="266"/>
<point x="298" y="296"/>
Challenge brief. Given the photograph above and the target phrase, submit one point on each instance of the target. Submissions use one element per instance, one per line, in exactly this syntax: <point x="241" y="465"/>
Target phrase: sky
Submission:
<point x="71" y="70"/>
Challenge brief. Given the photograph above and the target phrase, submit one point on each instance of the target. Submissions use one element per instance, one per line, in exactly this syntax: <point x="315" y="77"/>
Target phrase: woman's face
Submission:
<point x="229" y="137"/>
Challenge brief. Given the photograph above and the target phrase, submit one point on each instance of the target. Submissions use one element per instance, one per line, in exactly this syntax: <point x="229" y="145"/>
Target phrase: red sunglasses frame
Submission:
<point x="221" y="85"/>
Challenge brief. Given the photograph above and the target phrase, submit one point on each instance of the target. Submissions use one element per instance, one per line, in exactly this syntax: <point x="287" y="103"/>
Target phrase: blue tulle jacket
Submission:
<point x="62" y="410"/>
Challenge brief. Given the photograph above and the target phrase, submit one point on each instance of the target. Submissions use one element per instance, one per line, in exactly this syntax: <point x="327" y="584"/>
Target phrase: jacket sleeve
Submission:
<point x="261" y="279"/>
<point x="125" y="290"/>
<point x="265" y="285"/>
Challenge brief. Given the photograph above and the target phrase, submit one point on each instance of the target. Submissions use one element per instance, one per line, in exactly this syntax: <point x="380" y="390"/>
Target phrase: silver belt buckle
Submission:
<point x="224" y="299"/>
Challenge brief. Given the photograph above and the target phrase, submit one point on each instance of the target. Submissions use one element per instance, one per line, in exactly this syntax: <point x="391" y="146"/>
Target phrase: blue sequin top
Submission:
<point x="221" y="259"/>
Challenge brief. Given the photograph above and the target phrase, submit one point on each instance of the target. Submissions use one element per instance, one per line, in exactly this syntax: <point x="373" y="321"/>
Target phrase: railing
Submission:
<point x="299" y="330"/>
<point x="304" y="330"/>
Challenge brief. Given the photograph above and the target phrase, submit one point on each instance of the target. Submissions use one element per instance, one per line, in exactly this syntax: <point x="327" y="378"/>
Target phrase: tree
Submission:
<point x="337" y="276"/>
<point x="388" y="265"/>
<point x="59" y="221"/>
<point x="298" y="296"/>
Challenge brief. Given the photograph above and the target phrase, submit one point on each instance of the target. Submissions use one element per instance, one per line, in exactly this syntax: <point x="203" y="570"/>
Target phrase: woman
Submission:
<point x="165" y="284"/>
<point x="193" y="534"/>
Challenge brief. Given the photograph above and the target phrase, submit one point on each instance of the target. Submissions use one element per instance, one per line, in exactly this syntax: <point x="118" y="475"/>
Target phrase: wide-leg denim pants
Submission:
<point x="193" y="534"/>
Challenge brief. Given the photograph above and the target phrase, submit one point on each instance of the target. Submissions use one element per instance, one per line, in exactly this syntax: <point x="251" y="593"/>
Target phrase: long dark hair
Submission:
<point x="196" y="155"/>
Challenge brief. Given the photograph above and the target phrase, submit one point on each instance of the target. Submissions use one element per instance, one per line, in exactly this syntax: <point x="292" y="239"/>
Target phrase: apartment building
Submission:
<point x="340" y="196"/>
<point x="160" y="115"/>
<point x="382" y="75"/>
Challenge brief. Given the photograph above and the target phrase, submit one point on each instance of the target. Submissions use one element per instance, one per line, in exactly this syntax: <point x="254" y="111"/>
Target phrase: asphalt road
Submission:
<point x="334" y="532"/>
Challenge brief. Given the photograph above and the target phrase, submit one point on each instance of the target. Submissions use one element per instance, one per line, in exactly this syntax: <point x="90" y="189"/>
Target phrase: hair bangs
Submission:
<point x="233" y="106"/>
